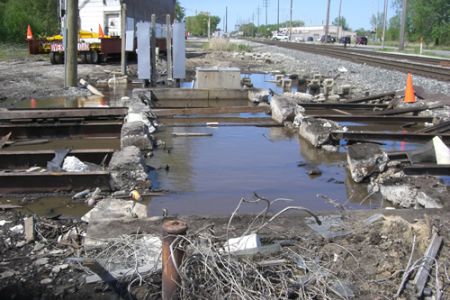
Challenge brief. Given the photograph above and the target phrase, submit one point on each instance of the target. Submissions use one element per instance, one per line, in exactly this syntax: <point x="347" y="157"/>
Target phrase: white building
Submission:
<point x="106" y="13"/>
<point x="316" y="32"/>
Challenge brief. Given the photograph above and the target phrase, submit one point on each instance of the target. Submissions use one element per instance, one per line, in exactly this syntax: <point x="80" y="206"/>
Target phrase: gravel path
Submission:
<point x="363" y="78"/>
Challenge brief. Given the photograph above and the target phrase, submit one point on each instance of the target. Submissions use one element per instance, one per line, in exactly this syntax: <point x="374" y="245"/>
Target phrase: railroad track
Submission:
<point x="424" y="66"/>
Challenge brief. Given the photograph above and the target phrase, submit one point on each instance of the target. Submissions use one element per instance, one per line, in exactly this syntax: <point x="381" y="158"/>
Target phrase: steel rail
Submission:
<point x="405" y="64"/>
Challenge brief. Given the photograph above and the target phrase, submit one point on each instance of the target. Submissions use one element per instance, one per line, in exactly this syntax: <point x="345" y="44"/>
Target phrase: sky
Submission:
<point x="312" y="12"/>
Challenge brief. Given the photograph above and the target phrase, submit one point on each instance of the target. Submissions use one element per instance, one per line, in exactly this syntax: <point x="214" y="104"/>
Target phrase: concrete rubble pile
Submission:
<point x="365" y="160"/>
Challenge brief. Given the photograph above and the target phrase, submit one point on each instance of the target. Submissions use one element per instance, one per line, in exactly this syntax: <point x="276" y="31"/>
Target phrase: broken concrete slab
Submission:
<point x="332" y="226"/>
<point x="283" y="109"/>
<point x="102" y="231"/>
<point x="410" y="191"/>
<point x="300" y="97"/>
<point x="365" y="159"/>
<point x="73" y="164"/>
<point x="259" y="95"/>
<point x="116" y="209"/>
<point x="127" y="169"/>
<point x="136" y="134"/>
<point x="318" y="131"/>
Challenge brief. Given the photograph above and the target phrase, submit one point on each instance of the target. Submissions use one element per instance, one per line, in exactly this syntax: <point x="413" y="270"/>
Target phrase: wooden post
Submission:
<point x="153" y="52"/>
<point x="169" y="51"/>
<point x="123" y="29"/>
<point x="72" y="43"/>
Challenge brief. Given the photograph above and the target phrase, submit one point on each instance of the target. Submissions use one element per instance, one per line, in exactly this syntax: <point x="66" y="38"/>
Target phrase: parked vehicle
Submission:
<point x="361" y="40"/>
<point x="345" y="40"/>
<point x="328" y="39"/>
<point x="280" y="37"/>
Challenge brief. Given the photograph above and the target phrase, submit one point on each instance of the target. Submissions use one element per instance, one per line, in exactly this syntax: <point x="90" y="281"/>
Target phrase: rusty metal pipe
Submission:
<point x="170" y="277"/>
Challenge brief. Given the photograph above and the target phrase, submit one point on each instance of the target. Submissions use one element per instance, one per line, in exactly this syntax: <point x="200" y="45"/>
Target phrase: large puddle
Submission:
<point x="209" y="175"/>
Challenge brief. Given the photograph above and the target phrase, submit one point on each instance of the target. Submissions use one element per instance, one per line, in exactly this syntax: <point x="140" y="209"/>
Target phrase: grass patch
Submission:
<point x="226" y="45"/>
<point x="13" y="51"/>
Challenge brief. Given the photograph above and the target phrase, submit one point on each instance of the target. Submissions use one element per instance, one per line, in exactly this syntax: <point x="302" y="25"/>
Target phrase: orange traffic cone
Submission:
<point x="409" y="92"/>
<point x="29" y="33"/>
<point x="33" y="103"/>
<point x="100" y="31"/>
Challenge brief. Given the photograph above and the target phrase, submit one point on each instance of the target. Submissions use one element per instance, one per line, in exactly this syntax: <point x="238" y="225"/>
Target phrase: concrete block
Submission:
<point x="279" y="78"/>
<point x="258" y="95"/>
<point x="318" y="131"/>
<point x="218" y="78"/>
<point x="136" y="134"/>
<point x="286" y="84"/>
<point x="410" y="191"/>
<point x="365" y="160"/>
<point x="127" y="169"/>
<point x="283" y="109"/>
<point x="116" y="209"/>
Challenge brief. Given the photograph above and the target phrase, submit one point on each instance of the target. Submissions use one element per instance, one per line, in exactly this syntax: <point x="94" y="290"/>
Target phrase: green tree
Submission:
<point x="180" y="11"/>
<point x="376" y="21"/>
<point x="393" y="31"/>
<point x="341" y="22"/>
<point x="15" y="15"/>
<point x="362" y="32"/>
<point x="198" y="25"/>
<point x="427" y="19"/>
<point x="248" y="29"/>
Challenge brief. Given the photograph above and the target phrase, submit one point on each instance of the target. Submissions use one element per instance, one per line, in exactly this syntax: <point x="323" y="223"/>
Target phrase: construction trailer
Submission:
<point x="100" y="28"/>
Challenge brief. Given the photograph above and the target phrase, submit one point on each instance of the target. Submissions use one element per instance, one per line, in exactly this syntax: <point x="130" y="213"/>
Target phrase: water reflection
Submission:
<point x="209" y="175"/>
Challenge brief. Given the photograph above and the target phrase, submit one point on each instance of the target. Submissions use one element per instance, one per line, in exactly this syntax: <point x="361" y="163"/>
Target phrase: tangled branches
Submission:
<point x="210" y="271"/>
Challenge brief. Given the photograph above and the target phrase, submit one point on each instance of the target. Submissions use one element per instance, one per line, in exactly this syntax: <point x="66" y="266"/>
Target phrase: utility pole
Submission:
<point x="403" y="25"/>
<point x="339" y="20"/>
<point x="123" y="59"/>
<point x="209" y="27"/>
<point x="278" y="16"/>
<point x="226" y="19"/>
<point x="327" y="24"/>
<point x="253" y="25"/>
<point x="290" y="23"/>
<point x="258" y="11"/>
<point x="72" y="43"/>
<point x="384" y="22"/>
<point x="266" y="5"/>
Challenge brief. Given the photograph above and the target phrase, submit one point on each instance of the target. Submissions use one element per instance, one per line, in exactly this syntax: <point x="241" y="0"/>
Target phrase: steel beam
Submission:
<point x="427" y="169"/>
<point x="344" y="106"/>
<point x="23" y="183"/>
<point x="87" y="113"/>
<point x="50" y="130"/>
<point x="381" y="135"/>
<point x="220" y="120"/>
<point x="27" y="159"/>
<point x="371" y="118"/>
<point x="372" y="97"/>
<point x="211" y="110"/>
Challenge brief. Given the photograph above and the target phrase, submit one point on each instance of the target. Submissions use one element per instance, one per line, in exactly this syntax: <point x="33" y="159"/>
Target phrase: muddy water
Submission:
<point x="208" y="175"/>
<point x="50" y="206"/>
